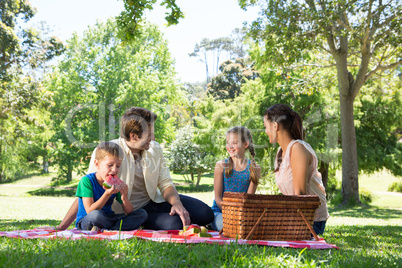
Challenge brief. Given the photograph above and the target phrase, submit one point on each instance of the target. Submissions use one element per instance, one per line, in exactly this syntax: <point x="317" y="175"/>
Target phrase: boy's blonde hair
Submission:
<point x="108" y="148"/>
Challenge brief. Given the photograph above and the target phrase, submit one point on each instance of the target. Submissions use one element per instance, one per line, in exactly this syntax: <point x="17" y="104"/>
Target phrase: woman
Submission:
<point x="296" y="162"/>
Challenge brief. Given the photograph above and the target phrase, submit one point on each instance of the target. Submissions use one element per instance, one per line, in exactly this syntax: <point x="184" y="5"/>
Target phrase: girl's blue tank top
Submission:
<point x="238" y="182"/>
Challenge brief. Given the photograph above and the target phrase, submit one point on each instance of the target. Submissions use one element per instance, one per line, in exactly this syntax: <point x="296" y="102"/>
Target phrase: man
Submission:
<point x="150" y="186"/>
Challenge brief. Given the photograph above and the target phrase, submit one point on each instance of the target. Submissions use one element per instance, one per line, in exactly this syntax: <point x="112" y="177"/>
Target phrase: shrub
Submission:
<point x="333" y="189"/>
<point x="365" y="196"/>
<point x="396" y="186"/>
<point x="336" y="198"/>
<point x="185" y="156"/>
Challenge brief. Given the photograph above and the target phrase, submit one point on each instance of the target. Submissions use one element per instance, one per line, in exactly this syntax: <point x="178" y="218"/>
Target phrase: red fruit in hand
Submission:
<point x="112" y="180"/>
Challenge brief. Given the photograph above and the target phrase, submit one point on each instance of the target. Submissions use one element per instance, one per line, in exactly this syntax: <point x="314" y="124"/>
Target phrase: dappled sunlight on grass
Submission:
<point x="37" y="207"/>
<point x="32" y="180"/>
<point x="367" y="212"/>
<point x="51" y="191"/>
<point x="194" y="189"/>
<point x="368" y="215"/>
<point x="11" y="225"/>
<point x="356" y="238"/>
<point x="366" y="236"/>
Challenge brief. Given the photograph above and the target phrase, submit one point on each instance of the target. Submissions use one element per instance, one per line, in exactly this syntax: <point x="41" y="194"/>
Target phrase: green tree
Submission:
<point x="201" y="51"/>
<point x="129" y="21"/>
<point x="312" y="100"/>
<point x="213" y="49"/>
<point x="361" y="39"/>
<point x="98" y="79"/>
<point x="227" y="84"/>
<point x="378" y="113"/>
<point x="185" y="156"/>
<point x="23" y="54"/>
<point x="10" y="48"/>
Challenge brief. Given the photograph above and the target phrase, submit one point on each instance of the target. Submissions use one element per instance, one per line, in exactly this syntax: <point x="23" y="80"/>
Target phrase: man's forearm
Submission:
<point x="171" y="196"/>
<point x="70" y="216"/>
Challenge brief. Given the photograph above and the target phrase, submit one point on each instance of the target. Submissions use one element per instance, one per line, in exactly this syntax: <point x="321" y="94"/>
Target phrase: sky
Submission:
<point x="203" y="19"/>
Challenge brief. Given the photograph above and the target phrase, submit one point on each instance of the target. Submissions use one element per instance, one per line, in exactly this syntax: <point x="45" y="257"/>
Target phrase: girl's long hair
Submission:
<point x="245" y="135"/>
<point x="289" y="120"/>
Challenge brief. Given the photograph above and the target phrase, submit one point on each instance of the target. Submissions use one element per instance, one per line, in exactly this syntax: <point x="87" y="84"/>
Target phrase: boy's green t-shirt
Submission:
<point x="90" y="187"/>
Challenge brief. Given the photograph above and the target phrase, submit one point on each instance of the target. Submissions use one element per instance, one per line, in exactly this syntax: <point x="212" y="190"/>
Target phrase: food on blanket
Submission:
<point x="204" y="230"/>
<point x="191" y="232"/>
<point x="112" y="180"/>
<point x="196" y="228"/>
<point x="203" y="235"/>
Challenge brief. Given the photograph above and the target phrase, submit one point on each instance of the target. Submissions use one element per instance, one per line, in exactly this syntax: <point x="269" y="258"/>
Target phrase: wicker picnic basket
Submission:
<point x="268" y="217"/>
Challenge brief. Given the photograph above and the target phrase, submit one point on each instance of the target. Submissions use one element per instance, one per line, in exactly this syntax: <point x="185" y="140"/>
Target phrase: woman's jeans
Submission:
<point x="319" y="227"/>
<point x="217" y="224"/>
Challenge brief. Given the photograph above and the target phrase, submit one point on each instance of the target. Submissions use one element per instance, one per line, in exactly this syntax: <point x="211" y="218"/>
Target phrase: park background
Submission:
<point x="61" y="97"/>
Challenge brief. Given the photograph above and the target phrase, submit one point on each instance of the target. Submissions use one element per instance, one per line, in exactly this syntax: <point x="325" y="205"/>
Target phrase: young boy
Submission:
<point x="95" y="201"/>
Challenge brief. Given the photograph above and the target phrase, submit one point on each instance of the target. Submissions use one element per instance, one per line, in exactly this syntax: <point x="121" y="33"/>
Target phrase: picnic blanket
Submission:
<point x="171" y="236"/>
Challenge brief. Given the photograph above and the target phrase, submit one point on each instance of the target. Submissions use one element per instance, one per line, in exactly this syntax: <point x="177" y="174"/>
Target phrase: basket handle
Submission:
<point x="308" y="225"/>
<point x="221" y="231"/>
<point x="256" y="224"/>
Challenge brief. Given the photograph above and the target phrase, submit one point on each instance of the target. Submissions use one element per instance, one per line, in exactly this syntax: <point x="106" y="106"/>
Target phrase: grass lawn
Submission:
<point x="367" y="237"/>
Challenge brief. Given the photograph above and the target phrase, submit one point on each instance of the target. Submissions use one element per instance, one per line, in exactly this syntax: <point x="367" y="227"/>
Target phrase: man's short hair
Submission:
<point x="108" y="148"/>
<point x="136" y="120"/>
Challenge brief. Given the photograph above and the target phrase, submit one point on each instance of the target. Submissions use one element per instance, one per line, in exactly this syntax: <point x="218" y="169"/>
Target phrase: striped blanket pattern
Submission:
<point x="171" y="236"/>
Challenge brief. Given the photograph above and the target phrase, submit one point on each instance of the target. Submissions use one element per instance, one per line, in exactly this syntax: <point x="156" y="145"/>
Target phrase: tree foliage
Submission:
<point x="185" y="156"/>
<point x="360" y="38"/>
<point x="231" y="48"/>
<point x="98" y="79"/>
<point x="129" y="21"/>
<point x="22" y="51"/>
<point x="227" y="84"/>
<point x="378" y="113"/>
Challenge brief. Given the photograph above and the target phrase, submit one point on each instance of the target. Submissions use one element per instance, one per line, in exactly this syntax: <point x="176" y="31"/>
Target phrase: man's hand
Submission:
<point x="172" y="197"/>
<point x="179" y="209"/>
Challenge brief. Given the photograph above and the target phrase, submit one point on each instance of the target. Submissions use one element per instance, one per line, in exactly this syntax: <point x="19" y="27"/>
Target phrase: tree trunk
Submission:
<point x="347" y="94"/>
<point x="198" y="178"/>
<point x="350" y="172"/>
<point x="45" y="165"/>
<point x="192" y="177"/>
<point x="206" y="66"/>
<point x="324" y="173"/>
<point x="70" y="173"/>
<point x="1" y="153"/>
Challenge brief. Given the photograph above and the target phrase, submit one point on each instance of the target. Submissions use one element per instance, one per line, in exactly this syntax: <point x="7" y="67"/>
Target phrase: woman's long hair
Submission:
<point x="245" y="135"/>
<point x="289" y="120"/>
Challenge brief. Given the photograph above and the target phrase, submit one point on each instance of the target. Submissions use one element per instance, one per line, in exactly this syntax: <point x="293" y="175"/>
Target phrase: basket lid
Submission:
<point x="301" y="198"/>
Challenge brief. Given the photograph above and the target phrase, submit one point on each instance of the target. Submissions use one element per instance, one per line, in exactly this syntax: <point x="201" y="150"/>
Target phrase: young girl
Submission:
<point x="237" y="173"/>
<point x="296" y="163"/>
<point x="95" y="201"/>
